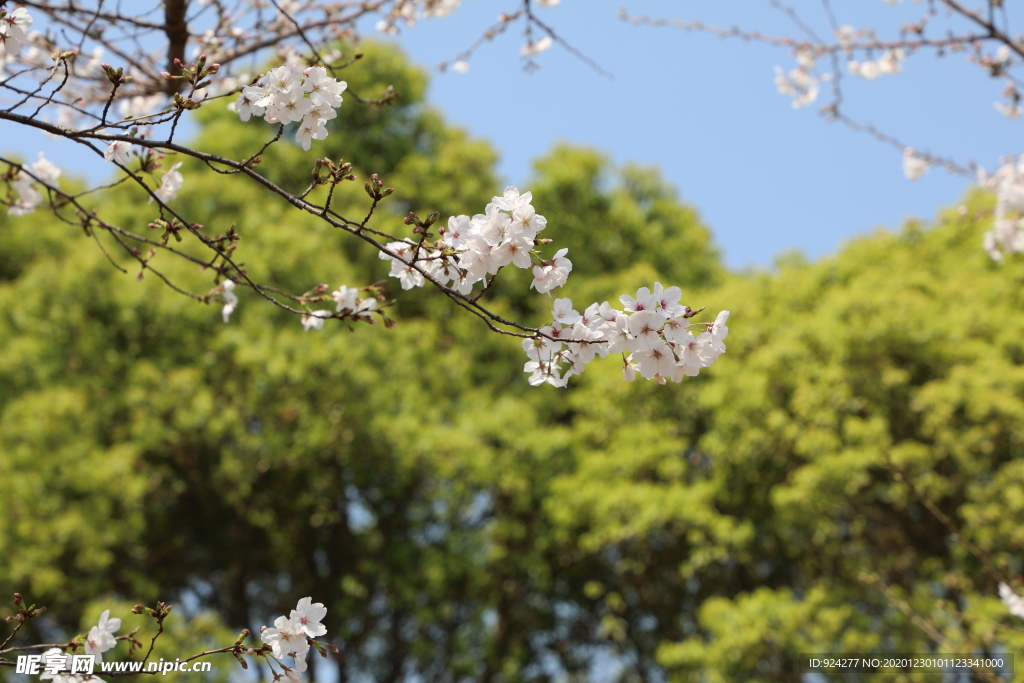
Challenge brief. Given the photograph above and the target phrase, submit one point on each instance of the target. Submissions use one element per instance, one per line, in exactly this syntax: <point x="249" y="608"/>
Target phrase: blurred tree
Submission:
<point x="402" y="477"/>
<point x="462" y="526"/>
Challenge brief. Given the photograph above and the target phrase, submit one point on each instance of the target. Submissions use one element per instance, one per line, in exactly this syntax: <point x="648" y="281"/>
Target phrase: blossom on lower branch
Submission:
<point x="100" y="639"/>
<point x="230" y="299"/>
<point x="1013" y="602"/>
<point x="29" y="196"/>
<point x="291" y="635"/>
<point x="314" y="320"/>
<point x="654" y="330"/>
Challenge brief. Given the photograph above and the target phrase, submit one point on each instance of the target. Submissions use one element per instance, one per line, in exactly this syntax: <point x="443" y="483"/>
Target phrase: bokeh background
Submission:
<point x="461" y="525"/>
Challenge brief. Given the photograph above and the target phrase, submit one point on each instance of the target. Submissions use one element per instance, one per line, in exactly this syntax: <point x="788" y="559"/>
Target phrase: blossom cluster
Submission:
<point x="12" y="30"/>
<point x="803" y="85"/>
<point x="99" y="640"/>
<point x="290" y="636"/>
<point x="1007" y="234"/>
<point x="889" y="63"/>
<point x="290" y="94"/>
<point x="25" y="185"/>
<point x="654" y="329"/>
<point x="471" y="249"/>
<point x="408" y="12"/>
<point x="800" y="83"/>
<point x="348" y="305"/>
<point x="913" y="165"/>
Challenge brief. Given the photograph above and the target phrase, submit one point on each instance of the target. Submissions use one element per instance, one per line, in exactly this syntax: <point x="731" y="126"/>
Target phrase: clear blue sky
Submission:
<point x="765" y="177"/>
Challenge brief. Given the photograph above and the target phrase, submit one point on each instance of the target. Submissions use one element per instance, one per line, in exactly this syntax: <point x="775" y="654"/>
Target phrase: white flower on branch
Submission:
<point x="913" y="166"/>
<point x="1007" y="233"/>
<point x="1010" y="111"/>
<point x="891" y="62"/>
<point x="314" y="320"/>
<point x="46" y="171"/>
<point x="532" y="49"/>
<point x="12" y="30"/>
<point x="117" y="152"/>
<point x="1013" y="602"/>
<point x="564" y="313"/>
<point x="101" y="637"/>
<point x="289" y="94"/>
<point x="800" y="84"/>
<point x="551" y="274"/>
<point x="288" y="635"/>
<point x="230" y="299"/>
<point x="28" y="196"/>
<point x="170" y="184"/>
<point x="308" y="615"/>
<point x="653" y="330"/>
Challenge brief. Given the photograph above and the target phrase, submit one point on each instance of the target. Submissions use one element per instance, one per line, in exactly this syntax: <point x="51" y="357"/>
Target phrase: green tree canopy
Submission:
<point x="402" y="477"/>
<point x="460" y="525"/>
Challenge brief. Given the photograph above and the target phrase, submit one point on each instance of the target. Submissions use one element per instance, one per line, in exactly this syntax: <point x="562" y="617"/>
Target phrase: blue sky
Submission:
<point x="765" y="177"/>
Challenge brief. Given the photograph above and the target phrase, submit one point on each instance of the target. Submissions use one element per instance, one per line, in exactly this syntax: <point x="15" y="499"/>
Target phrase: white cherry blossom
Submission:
<point x="308" y="615"/>
<point x="230" y="299"/>
<point x="170" y="184"/>
<point x="314" y="320"/>
<point x="1013" y="602"/>
<point x="117" y="151"/>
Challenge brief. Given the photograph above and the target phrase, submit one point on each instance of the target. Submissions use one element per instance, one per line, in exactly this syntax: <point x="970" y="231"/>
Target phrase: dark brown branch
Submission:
<point x="176" y="29"/>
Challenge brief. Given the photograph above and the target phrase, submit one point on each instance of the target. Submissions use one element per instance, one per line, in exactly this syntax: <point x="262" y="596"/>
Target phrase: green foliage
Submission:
<point x="462" y="525"/>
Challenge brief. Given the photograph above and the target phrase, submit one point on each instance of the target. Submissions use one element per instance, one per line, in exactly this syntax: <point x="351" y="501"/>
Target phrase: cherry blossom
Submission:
<point x="308" y="615"/>
<point x="230" y="299"/>
<point x="314" y="320"/>
<point x="800" y="84"/>
<point x="101" y="638"/>
<point x="564" y="313"/>
<point x="1007" y="233"/>
<point x="57" y="668"/>
<point x="290" y="94"/>
<point x="1013" y="602"/>
<point x="46" y="171"/>
<point x="12" y="30"/>
<point x="512" y="200"/>
<point x="286" y="638"/>
<point x="170" y="184"/>
<point x="552" y="273"/>
<point x="913" y="166"/>
<point x="117" y="152"/>
<point x="28" y="196"/>
<point x="535" y="48"/>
